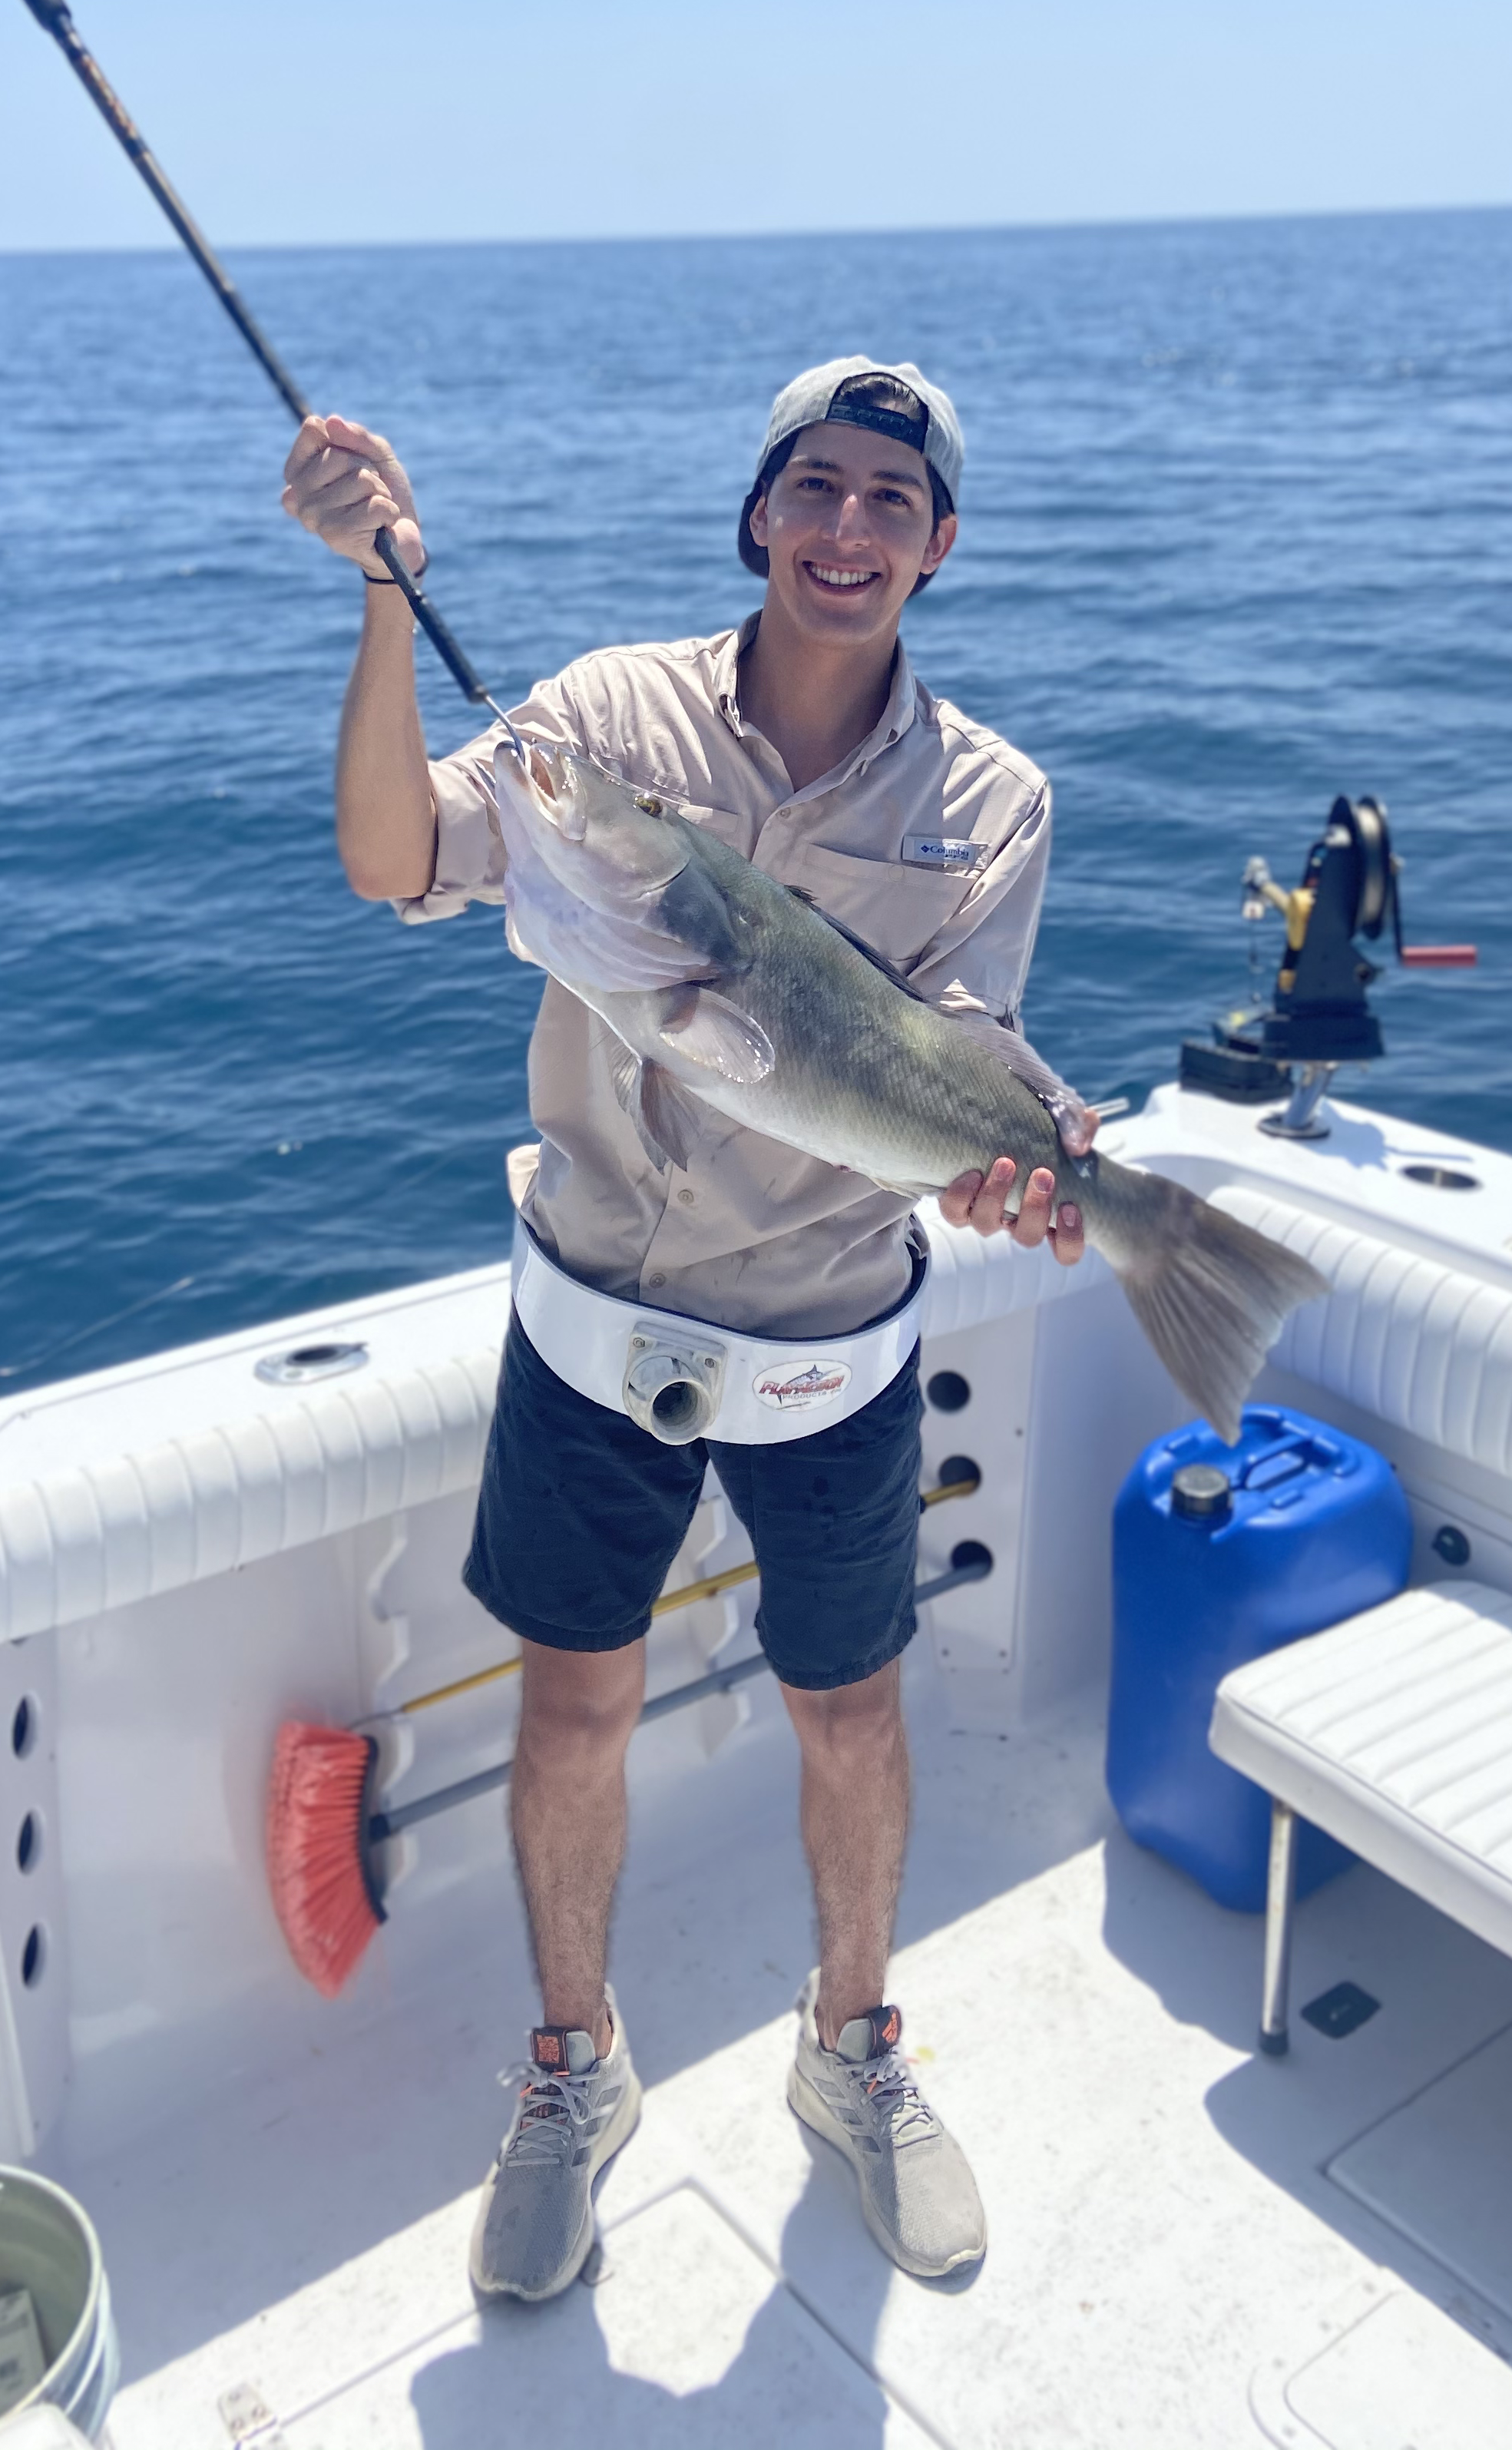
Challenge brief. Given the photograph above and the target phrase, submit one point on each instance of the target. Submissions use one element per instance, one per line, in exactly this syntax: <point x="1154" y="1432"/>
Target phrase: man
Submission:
<point x="805" y="742"/>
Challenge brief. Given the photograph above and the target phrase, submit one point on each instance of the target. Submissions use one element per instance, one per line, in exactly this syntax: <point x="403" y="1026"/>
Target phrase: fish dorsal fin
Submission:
<point x="666" y="1120"/>
<point x="857" y="944"/>
<point x="715" y="1033"/>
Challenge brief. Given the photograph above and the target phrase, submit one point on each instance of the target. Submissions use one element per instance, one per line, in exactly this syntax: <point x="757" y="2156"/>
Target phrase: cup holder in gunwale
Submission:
<point x="1441" y="1177"/>
<point x="303" y="1363"/>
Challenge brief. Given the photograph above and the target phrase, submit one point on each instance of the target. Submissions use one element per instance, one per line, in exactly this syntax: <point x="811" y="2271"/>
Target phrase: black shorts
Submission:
<point x="581" y="1512"/>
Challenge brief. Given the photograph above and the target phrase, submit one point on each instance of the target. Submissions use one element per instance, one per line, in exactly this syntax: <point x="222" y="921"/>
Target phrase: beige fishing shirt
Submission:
<point x="930" y="840"/>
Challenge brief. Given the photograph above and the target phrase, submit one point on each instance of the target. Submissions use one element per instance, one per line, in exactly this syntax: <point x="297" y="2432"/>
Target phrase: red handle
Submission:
<point x="1439" y="957"/>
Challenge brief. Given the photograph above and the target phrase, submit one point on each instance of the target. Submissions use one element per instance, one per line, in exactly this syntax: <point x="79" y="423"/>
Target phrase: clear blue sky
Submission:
<point x="363" y="120"/>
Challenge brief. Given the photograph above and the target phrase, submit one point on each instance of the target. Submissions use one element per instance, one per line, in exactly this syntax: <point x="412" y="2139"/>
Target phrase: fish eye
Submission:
<point x="648" y="805"/>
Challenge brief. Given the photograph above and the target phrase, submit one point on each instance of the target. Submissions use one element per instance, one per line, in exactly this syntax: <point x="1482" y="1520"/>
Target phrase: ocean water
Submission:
<point x="1236" y="537"/>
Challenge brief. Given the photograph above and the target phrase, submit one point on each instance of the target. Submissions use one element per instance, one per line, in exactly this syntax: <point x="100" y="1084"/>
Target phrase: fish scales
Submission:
<point x="871" y="1077"/>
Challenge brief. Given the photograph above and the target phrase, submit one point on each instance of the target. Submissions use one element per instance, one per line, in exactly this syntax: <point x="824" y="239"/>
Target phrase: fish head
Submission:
<point x="614" y="847"/>
<point x="590" y="862"/>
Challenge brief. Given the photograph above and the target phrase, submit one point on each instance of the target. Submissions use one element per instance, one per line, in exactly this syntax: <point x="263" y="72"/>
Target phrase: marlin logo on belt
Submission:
<point x="798" y="1389"/>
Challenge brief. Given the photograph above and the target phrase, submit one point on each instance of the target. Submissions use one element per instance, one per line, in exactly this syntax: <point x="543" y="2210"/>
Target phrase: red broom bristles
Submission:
<point x="317" y="1803"/>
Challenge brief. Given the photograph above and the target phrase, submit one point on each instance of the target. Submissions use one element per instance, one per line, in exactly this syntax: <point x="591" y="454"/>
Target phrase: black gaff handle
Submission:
<point x="457" y="663"/>
<point x="55" y="19"/>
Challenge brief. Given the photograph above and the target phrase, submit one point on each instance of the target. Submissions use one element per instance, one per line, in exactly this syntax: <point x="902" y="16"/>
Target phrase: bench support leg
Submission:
<point x="1280" y="1896"/>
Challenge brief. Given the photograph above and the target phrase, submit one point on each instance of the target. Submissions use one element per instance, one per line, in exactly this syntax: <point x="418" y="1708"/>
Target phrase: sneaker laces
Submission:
<point x="556" y="2105"/>
<point x="896" y="2105"/>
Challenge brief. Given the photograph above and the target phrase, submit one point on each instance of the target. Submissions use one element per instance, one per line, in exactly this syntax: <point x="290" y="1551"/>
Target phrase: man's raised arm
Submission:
<point x="344" y="483"/>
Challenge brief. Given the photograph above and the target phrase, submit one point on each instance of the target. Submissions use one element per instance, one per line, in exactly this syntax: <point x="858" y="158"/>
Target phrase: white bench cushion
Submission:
<point x="1394" y="1731"/>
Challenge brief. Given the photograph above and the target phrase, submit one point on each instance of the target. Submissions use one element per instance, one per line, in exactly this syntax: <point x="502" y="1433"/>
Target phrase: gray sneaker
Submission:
<point x="534" y="2224"/>
<point x="917" y="2196"/>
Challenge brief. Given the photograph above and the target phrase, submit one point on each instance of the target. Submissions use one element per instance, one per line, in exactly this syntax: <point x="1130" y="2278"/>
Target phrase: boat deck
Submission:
<point x="1189" y="2244"/>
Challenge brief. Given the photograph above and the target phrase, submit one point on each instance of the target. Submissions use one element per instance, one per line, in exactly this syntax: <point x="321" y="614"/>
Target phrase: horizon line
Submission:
<point x="171" y="245"/>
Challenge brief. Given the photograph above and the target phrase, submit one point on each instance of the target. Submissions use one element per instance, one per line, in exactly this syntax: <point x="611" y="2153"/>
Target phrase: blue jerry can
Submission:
<point x="1219" y="1554"/>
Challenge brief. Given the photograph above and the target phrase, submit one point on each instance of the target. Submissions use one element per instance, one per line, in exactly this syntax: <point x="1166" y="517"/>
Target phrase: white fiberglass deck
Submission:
<point x="1166" y="2242"/>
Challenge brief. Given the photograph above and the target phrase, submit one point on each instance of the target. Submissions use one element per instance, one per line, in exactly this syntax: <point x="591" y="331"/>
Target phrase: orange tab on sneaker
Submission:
<point x="560" y="2050"/>
<point x="870" y="2037"/>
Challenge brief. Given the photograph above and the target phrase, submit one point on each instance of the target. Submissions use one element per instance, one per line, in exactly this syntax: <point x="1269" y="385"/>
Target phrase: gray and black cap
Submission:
<point x="895" y="400"/>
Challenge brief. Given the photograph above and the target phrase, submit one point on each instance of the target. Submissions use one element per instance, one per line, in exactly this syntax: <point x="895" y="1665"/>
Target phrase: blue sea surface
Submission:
<point x="1235" y="537"/>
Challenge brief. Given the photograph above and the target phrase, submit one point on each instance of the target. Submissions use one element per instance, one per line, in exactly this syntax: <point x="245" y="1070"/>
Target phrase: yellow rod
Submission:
<point x="949" y="1488"/>
<point x="463" y="1684"/>
<point x="709" y="1588"/>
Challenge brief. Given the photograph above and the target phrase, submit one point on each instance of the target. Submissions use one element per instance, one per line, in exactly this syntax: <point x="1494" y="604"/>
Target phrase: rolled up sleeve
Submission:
<point x="469" y="847"/>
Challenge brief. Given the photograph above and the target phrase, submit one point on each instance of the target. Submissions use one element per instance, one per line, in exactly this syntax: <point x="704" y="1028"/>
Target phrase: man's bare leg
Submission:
<point x="917" y="2195"/>
<point x="855" y="1823"/>
<point x="567" y="1811"/>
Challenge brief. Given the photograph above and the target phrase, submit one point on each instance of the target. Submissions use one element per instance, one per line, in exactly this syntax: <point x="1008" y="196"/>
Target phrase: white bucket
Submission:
<point x="48" y="2246"/>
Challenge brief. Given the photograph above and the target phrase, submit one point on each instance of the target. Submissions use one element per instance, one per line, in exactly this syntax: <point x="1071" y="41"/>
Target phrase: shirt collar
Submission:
<point x="727" y="670"/>
<point x="895" y="719"/>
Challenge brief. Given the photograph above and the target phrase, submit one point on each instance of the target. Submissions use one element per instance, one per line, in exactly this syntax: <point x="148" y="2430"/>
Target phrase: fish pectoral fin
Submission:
<point x="666" y="1121"/>
<point x="715" y="1033"/>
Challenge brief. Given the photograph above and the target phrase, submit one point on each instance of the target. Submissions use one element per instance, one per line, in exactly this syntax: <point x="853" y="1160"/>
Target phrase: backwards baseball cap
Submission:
<point x="894" y="400"/>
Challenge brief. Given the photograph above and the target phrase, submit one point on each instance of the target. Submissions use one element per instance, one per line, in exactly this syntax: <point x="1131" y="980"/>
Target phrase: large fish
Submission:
<point x="729" y="989"/>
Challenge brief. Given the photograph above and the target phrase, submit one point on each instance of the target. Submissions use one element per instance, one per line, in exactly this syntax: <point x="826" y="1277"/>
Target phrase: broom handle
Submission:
<point x="721" y="1679"/>
<point x="709" y="1588"/>
<point x="55" y="19"/>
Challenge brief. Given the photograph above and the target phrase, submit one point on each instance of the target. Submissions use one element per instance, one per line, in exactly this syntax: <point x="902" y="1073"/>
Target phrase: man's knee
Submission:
<point x="583" y="1702"/>
<point x="850" y="1722"/>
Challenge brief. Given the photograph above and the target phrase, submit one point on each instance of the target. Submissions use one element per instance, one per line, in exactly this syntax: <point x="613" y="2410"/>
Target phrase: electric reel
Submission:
<point x="1318" y="1017"/>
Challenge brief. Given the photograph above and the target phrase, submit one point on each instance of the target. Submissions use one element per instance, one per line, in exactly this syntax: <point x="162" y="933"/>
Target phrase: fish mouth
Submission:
<point x="596" y="835"/>
<point x="834" y="579"/>
<point x="550" y="778"/>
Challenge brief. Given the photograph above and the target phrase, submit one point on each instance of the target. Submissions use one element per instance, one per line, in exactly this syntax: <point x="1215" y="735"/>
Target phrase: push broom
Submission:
<point x="321" y="1828"/>
<point x="324" y="1832"/>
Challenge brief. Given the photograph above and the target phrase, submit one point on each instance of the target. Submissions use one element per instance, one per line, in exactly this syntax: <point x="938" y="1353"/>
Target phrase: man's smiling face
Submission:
<point x="848" y="525"/>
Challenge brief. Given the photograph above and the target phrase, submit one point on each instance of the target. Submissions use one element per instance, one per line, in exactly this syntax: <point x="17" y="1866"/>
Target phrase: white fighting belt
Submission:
<point x="682" y="1378"/>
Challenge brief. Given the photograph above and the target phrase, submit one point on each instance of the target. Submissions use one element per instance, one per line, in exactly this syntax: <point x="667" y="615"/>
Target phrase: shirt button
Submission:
<point x="686" y="1199"/>
<point x="657" y="1280"/>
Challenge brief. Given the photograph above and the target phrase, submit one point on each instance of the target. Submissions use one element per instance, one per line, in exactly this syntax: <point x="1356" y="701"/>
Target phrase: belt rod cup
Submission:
<point x="672" y="1385"/>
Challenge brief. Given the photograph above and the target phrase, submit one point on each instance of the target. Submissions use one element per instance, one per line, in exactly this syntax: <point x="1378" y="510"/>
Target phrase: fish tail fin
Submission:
<point x="1210" y="1293"/>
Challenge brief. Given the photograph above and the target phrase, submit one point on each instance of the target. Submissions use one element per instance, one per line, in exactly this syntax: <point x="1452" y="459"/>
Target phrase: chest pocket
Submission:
<point x="897" y="908"/>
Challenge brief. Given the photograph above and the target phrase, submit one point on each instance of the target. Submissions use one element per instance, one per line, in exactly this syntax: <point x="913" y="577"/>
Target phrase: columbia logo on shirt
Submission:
<point x="952" y="855"/>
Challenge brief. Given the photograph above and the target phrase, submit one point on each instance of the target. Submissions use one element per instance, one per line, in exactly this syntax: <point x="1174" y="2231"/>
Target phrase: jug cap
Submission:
<point x="1201" y="1491"/>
